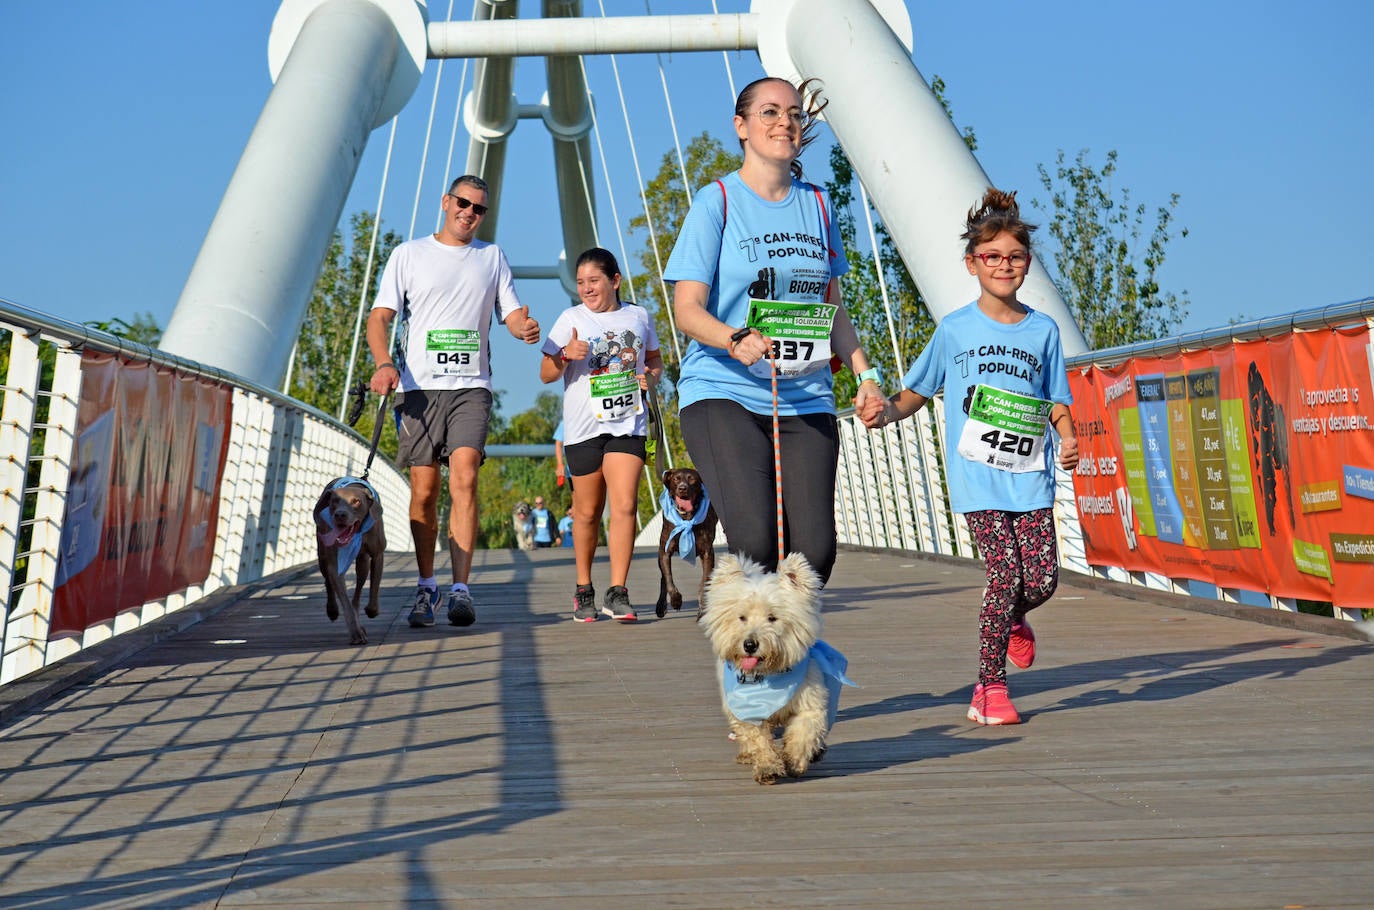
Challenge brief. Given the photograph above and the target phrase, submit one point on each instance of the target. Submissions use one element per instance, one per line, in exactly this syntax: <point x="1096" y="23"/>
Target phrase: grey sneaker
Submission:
<point x="460" y="610"/>
<point x="617" y="604"/>
<point x="584" y="604"/>
<point x="422" y="614"/>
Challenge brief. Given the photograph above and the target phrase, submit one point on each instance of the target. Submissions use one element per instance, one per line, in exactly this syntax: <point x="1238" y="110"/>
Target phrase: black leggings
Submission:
<point x="733" y="449"/>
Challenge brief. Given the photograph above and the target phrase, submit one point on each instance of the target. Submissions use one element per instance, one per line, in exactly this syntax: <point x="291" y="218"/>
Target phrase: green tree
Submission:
<point x="667" y="202"/>
<point x="1109" y="282"/>
<point x="503" y="482"/>
<point x="143" y="329"/>
<point x="320" y="367"/>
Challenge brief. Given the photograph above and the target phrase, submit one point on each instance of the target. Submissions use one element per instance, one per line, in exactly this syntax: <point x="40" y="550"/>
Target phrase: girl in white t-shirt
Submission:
<point x="606" y="352"/>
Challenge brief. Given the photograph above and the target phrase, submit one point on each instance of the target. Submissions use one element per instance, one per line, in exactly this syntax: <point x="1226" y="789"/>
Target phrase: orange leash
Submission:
<point x="777" y="459"/>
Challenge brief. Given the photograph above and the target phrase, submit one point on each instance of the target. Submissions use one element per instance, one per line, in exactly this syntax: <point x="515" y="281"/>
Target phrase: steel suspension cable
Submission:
<point x="644" y="201"/>
<point x="725" y="55"/>
<point x="610" y="188"/>
<point x="429" y="129"/>
<point x="672" y="120"/>
<point x="882" y="280"/>
<point x="367" y="272"/>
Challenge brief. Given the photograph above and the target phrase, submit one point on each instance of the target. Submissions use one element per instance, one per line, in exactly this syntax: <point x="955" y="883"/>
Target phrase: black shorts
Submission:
<point x="585" y="457"/>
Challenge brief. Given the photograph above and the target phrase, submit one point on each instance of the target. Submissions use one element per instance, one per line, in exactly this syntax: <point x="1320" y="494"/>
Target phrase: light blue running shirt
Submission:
<point x="970" y="349"/>
<point x="745" y="247"/>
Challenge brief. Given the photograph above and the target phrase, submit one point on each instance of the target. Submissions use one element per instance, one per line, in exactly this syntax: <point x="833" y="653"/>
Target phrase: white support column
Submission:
<point x="343" y="67"/>
<point x="917" y="168"/>
<point x="32" y="613"/>
<point x="568" y="117"/>
<point x="490" y="113"/>
<point x="20" y="653"/>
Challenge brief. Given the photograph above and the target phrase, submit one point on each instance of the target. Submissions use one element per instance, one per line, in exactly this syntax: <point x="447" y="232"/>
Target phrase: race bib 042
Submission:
<point x="615" y="395"/>
<point x="454" y="352"/>
<point x="1005" y="430"/>
<point x="800" y="334"/>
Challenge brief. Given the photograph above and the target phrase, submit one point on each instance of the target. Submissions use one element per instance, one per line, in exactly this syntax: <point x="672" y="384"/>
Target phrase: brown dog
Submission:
<point x="348" y="518"/>
<point x="684" y="495"/>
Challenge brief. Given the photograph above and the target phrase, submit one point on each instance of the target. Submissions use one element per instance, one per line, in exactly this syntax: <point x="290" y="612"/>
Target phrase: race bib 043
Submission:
<point x="454" y="352"/>
<point x="1005" y="430"/>
<point x="800" y="334"/>
<point x="615" y="395"/>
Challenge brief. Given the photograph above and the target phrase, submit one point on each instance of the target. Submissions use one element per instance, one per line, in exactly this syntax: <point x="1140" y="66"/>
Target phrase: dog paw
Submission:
<point x="661" y="609"/>
<point x="767" y="774"/>
<point x="332" y="611"/>
<point x="372" y="610"/>
<point x="676" y="599"/>
<point x="359" y="639"/>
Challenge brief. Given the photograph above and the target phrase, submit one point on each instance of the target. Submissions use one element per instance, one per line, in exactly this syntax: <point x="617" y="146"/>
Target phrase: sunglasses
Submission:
<point x="462" y="203"/>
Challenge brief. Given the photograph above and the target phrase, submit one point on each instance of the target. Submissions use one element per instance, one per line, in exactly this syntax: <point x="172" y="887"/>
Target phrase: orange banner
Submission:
<point x="1247" y="466"/>
<point x="143" y="498"/>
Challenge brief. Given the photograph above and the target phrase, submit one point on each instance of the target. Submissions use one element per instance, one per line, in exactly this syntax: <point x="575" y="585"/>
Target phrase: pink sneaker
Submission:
<point x="992" y="706"/>
<point x="1021" y="645"/>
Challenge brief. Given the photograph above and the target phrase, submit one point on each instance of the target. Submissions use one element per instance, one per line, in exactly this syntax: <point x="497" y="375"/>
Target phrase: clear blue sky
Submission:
<point x="120" y="124"/>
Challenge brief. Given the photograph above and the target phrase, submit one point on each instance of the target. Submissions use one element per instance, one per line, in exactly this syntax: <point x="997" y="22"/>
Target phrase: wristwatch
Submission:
<point x="872" y="373"/>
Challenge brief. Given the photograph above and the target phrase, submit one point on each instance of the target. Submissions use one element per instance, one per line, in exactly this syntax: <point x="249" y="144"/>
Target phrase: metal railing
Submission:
<point x="280" y="454"/>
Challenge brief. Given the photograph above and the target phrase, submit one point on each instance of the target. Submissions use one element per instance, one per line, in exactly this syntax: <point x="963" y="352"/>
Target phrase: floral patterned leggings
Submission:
<point x="1022" y="561"/>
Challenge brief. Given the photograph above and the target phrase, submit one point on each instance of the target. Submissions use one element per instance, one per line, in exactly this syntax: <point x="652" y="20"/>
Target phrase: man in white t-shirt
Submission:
<point x="446" y="287"/>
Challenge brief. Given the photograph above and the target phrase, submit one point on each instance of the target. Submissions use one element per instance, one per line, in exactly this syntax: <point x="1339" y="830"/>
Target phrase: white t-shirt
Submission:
<point x="446" y="296"/>
<point x="601" y="394"/>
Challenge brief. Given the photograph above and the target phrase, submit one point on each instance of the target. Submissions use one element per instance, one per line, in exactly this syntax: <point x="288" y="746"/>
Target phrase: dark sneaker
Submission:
<point x="584" y="604"/>
<point x="422" y="614"/>
<point x="617" y="604"/>
<point x="460" y="609"/>
<point x="1021" y="645"/>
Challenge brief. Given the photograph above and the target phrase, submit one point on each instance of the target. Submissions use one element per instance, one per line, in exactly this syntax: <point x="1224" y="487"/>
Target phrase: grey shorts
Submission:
<point x="432" y="425"/>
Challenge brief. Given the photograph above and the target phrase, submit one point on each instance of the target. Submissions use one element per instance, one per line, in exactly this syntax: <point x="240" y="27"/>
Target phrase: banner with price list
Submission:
<point x="1247" y="466"/>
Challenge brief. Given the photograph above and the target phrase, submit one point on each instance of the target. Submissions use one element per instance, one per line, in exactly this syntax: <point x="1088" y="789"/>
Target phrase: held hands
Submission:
<point x="871" y="408"/>
<point x="1068" y="452"/>
<point x="869" y="399"/>
<point x="576" y="349"/>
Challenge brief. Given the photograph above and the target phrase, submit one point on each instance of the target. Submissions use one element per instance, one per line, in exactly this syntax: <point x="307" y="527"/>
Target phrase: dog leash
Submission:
<point x="656" y="418"/>
<point x="376" y="435"/>
<point x="777" y="458"/>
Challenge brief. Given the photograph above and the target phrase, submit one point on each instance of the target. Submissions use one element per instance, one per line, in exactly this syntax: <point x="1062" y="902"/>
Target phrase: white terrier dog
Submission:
<point x="765" y="628"/>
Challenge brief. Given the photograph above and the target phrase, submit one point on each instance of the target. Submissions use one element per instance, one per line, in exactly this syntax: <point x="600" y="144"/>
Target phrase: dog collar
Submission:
<point x="756" y="701"/>
<point x="686" y="545"/>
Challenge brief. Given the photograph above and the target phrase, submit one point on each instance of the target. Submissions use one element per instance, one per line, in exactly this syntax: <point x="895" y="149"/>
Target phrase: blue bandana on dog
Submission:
<point x="686" y="543"/>
<point x="756" y="701"/>
<point x="348" y="553"/>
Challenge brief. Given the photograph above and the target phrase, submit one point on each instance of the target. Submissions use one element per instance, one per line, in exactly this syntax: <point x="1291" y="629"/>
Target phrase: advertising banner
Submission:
<point x="1247" y="466"/>
<point x="143" y="500"/>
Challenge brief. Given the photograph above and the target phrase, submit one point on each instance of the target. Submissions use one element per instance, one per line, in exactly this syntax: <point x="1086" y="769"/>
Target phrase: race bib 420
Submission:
<point x="800" y="334"/>
<point x="1005" y="430"/>
<point x="454" y="352"/>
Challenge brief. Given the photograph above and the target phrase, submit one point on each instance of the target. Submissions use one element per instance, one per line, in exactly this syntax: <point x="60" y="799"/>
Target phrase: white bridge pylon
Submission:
<point x="342" y="68"/>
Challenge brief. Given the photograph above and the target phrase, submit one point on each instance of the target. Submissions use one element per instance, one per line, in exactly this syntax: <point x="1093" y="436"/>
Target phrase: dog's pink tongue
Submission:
<point x="748" y="663"/>
<point x="338" y="537"/>
<point x="683" y="505"/>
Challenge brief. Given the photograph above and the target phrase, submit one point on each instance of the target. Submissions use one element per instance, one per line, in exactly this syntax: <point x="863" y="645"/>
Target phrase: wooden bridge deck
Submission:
<point x="1170" y="758"/>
